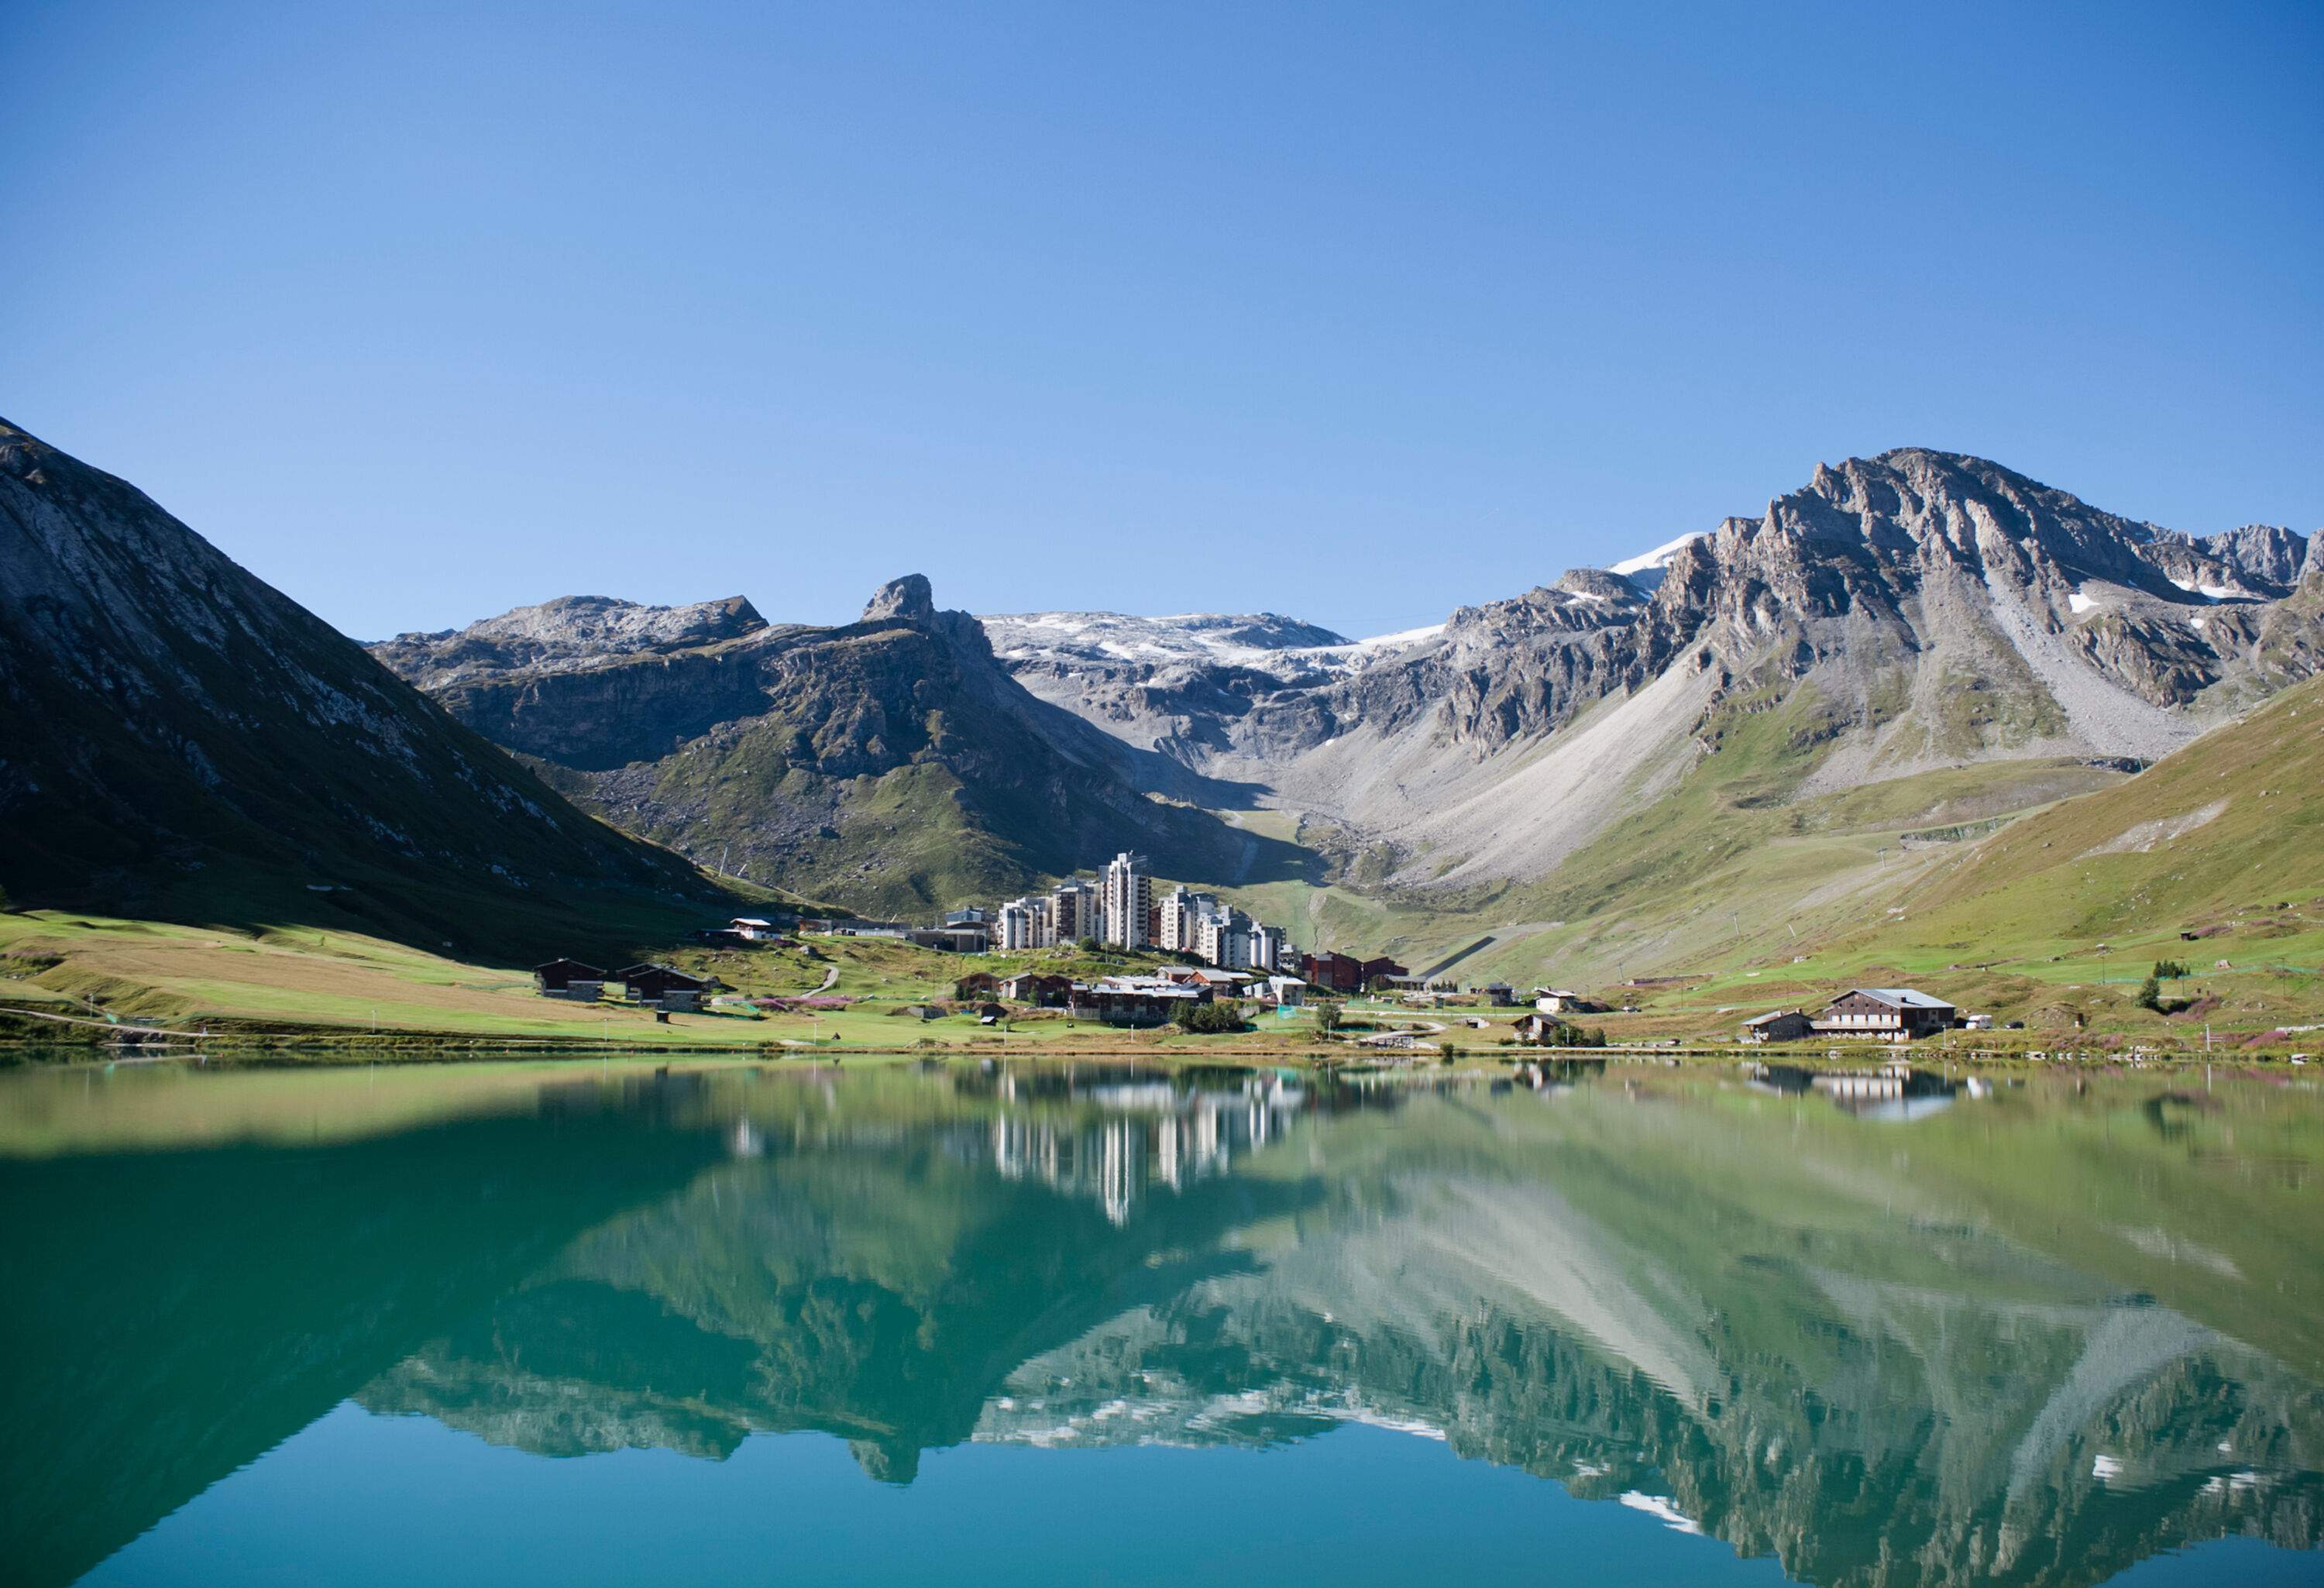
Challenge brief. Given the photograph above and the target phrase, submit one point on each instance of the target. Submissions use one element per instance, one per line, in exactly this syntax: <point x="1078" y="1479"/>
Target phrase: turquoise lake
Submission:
<point x="588" y="1323"/>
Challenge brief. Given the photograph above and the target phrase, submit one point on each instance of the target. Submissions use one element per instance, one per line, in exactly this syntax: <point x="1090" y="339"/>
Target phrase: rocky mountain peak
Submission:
<point x="910" y="598"/>
<point x="566" y="633"/>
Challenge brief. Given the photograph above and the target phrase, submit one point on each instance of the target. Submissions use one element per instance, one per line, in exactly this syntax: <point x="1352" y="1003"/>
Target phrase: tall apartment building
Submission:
<point x="1269" y="950"/>
<point x="1224" y="938"/>
<point x="1022" y="924"/>
<point x="1180" y="910"/>
<point x="1074" y="913"/>
<point x="1128" y="900"/>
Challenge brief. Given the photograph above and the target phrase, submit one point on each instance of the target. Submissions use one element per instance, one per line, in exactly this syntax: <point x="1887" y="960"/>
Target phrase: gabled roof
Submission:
<point x="665" y="973"/>
<point x="1898" y="997"/>
<point x="587" y="973"/>
<point x="1775" y="1014"/>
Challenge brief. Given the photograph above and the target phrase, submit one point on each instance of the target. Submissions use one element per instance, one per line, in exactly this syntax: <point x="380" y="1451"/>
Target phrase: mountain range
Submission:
<point x="1601" y="771"/>
<point x="892" y="764"/>
<point x="1927" y="636"/>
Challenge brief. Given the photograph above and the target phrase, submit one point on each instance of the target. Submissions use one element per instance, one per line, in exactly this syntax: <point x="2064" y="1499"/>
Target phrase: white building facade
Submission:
<point x="1129" y="897"/>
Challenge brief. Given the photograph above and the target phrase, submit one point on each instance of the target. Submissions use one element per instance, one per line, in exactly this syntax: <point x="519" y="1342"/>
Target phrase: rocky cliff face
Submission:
<point x="1915" y="610"/>
<point x="891" y="764"/>
<point x="565" y="635"/>
<point x="1897" y="614"/>
<point x="176" y="735"/>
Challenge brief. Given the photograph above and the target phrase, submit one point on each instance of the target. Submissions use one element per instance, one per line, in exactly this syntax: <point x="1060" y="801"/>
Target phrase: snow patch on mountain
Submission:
<point x="1645" y="569"/>
<point x="1263" y="643"/>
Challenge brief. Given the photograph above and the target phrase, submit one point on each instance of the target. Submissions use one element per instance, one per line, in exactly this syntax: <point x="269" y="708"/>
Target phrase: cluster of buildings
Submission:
<point x="1139" y="999"/>
<point x="1119" y="909"/>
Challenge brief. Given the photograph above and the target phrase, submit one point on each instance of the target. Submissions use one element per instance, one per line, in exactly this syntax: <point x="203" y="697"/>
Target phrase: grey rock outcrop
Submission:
<point x="909" y="599"/>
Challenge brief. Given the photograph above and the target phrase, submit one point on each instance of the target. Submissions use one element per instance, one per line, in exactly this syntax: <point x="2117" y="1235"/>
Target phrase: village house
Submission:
<point x="1778" y="1025"/>
<point x="1415" y="989"/>
<point x="1220" y="980"/>
<point x="1343" y="973"/>
<point x="1887" y="1014"/>
<point x="1564" y="1000"/>
<point x="673" y="992"/>
<point x="744" y="931"/>
<point x="977" y="984"/>
<point x="1288" y="992"/>
<point x="569" y="978"/>
<point x="967" y="938"/>
<point x="1042" y="992"/>
<point x="1497" y="995"/>
<point x="1537" y="1027"/>
<point x="1135" y="1001"/>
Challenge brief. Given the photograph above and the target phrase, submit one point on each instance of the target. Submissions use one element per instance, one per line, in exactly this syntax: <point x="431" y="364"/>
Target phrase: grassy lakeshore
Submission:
<point x="70" y="980"/>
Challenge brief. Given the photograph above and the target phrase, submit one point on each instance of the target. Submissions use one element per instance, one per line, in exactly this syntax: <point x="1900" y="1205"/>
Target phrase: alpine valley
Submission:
<point x="1788" y="728"/>
<point x="1922" y="715"/>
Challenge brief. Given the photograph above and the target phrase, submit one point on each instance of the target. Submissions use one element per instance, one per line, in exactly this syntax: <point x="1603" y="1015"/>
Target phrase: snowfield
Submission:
<point x="1263" y="643"/>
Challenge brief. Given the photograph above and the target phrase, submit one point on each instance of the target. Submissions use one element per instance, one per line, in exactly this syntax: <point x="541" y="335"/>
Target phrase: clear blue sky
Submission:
<point x="1351" y="313"/>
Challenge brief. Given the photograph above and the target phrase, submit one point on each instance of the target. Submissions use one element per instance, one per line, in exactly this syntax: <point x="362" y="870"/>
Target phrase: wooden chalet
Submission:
<point x="569" y="978"/>
<point x="666" y="988"/>
<point x="1042" y="992"/>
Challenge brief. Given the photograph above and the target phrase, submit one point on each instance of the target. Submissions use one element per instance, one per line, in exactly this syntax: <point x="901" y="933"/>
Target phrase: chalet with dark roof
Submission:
<point x="670" y="990"/>
<point x="569" y="978"/>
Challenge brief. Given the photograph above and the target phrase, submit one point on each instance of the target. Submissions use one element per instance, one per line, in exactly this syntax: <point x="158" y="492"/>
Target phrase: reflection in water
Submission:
<point x="2036" y="1338"/>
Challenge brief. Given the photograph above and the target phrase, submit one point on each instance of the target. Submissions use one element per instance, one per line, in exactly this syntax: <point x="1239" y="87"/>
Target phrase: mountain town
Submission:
<point x="1162" y="795"/>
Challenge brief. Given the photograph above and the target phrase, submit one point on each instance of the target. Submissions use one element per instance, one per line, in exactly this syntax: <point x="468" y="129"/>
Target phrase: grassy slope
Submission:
<point x="1977" y="882"/>
<point x="1730" y="855"/>
<point x="2031" y="923"/>
<point x="339" y="984"/>
<point x="1715" y="880"/>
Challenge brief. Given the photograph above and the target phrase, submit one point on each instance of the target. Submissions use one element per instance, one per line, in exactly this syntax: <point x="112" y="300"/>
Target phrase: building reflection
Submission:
<point x="1151" y="1133"/>
<point x="1664" y="1291"/>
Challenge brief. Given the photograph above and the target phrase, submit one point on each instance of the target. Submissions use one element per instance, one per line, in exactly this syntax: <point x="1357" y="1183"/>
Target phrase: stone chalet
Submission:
<point x="1887" y="1014"/>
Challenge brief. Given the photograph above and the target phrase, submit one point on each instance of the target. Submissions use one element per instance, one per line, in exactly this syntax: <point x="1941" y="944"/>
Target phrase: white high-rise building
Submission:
<point x="1269" y="950"/>
<point x="1224" y="938"/>
<point x="1128" y="896"/>
<point x="1022" y="924"/>
<point x="1181" y="908"/>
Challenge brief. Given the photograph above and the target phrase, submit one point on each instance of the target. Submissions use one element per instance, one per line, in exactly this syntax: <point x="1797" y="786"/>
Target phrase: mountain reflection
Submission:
<point x="2032" y="1339"/>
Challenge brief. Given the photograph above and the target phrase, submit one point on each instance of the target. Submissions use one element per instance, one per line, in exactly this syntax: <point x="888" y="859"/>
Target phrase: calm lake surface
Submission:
<point x="533" y="1323"/>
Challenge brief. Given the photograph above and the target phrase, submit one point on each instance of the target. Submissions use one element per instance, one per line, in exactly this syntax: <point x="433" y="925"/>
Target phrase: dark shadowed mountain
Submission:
<point x="178" y="739"/>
